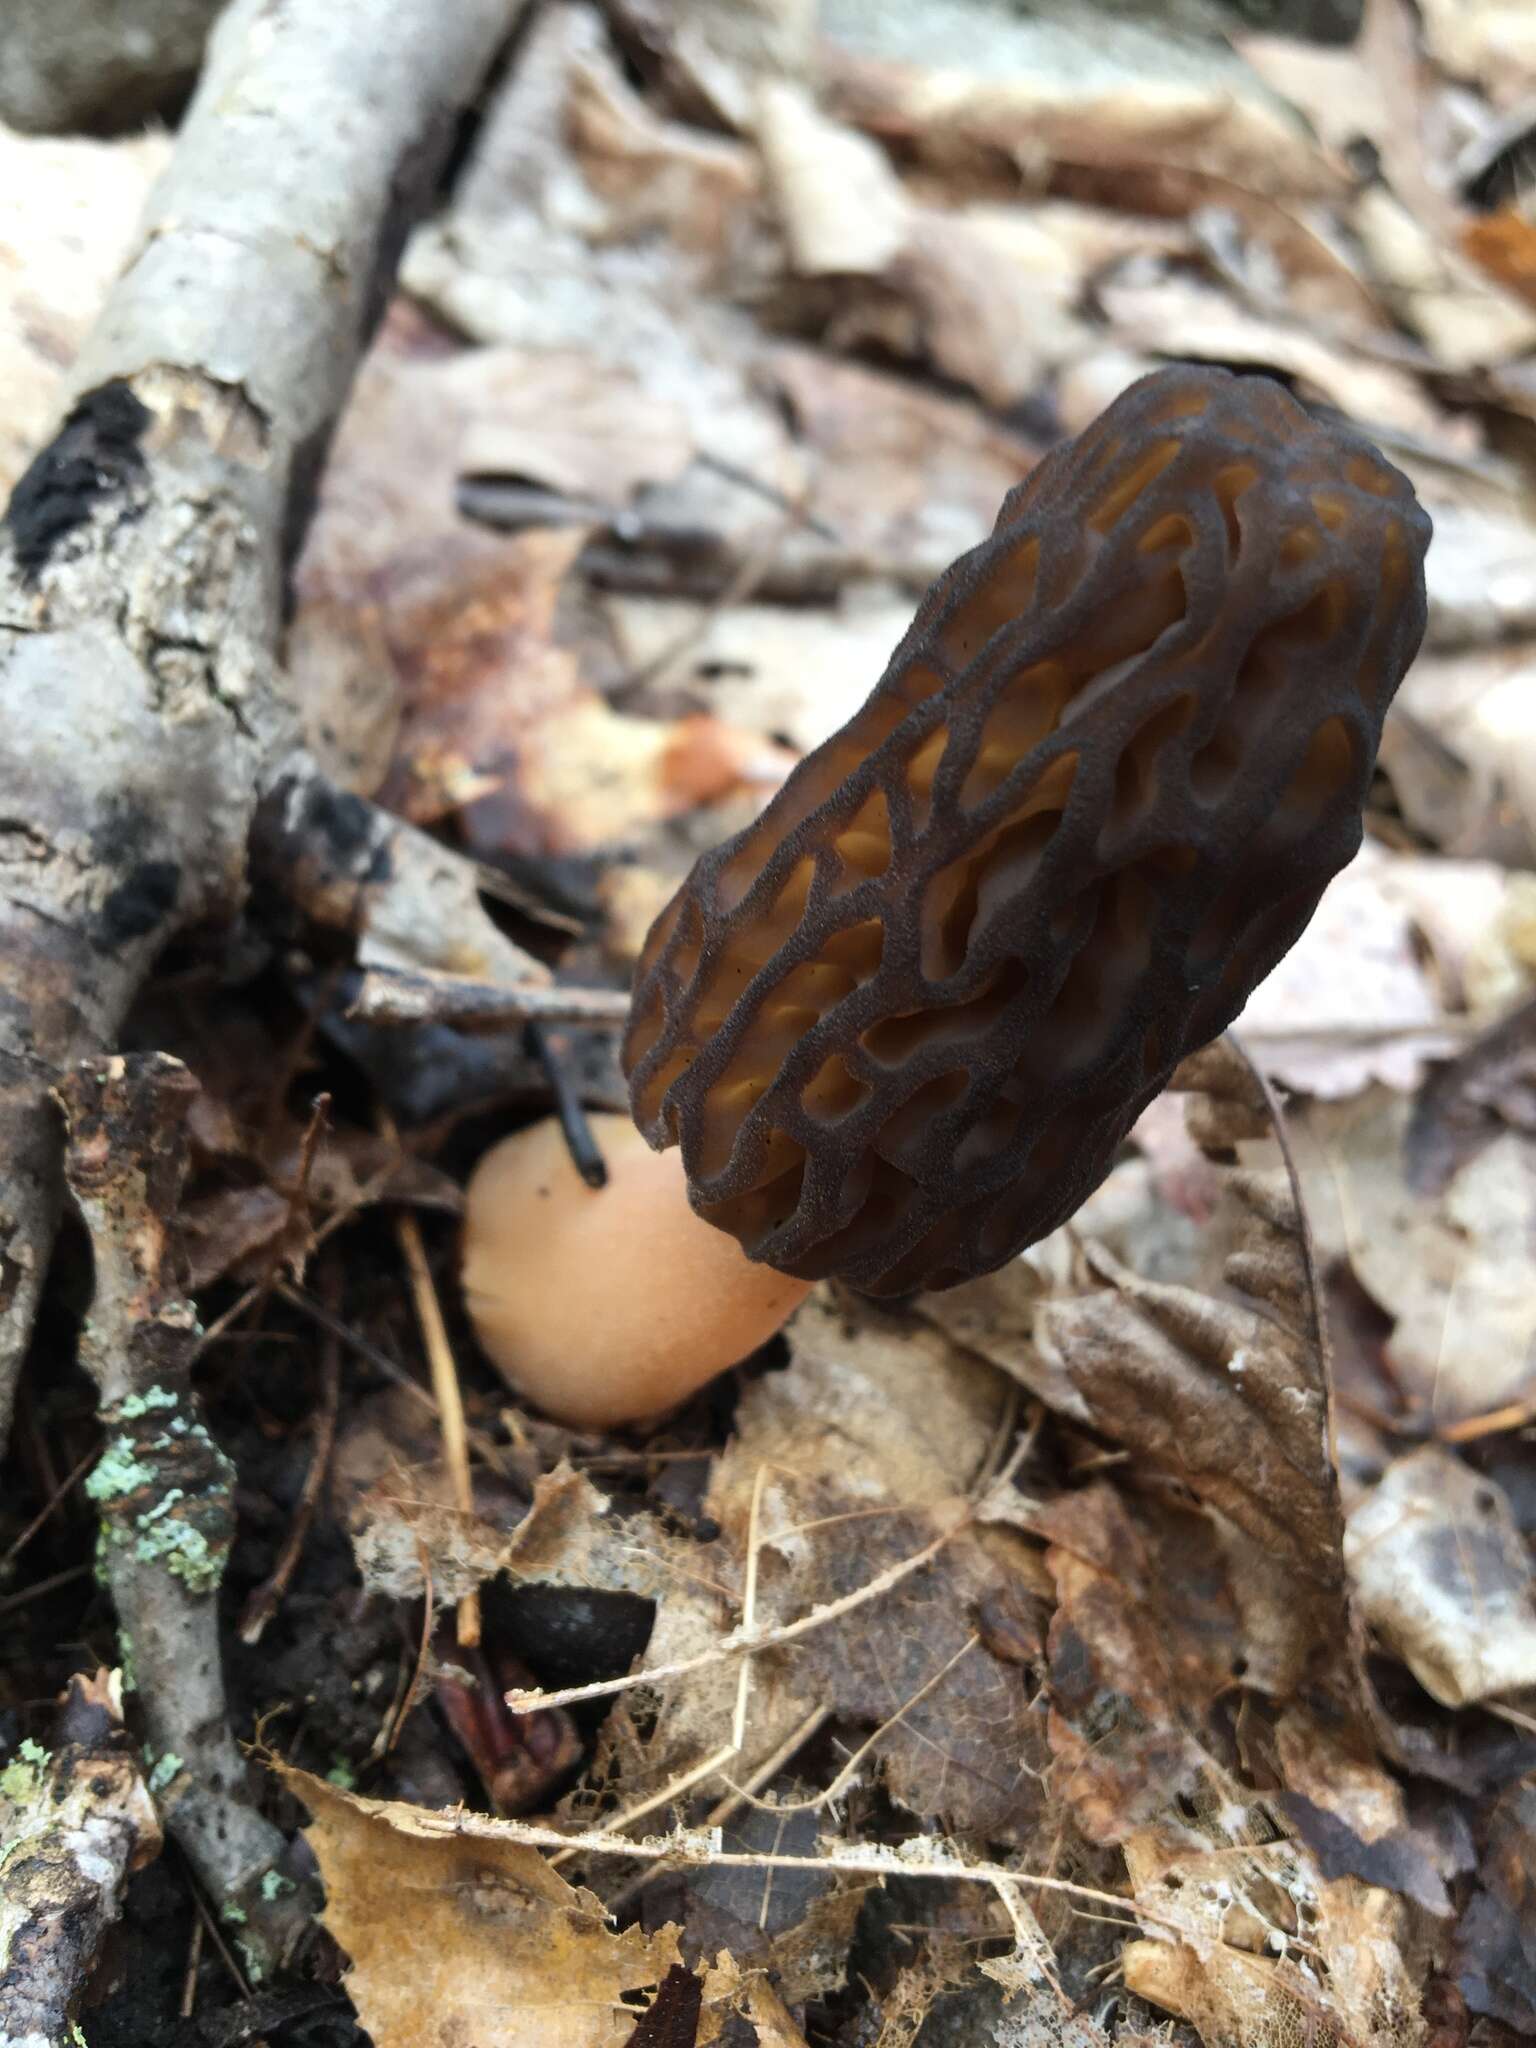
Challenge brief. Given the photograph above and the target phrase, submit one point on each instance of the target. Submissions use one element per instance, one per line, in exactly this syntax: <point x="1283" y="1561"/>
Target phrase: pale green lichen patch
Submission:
<point x="145" y="1403"/>
<point x="22" y="1777"/>
<point x="162" y="1772"/>
<point x="119" y="1471"/>
<point x="187" y="1526"/>
<point x="274" y="1884"/>
<point x="342" y="1775"/>
<point x="182" y="1548"/>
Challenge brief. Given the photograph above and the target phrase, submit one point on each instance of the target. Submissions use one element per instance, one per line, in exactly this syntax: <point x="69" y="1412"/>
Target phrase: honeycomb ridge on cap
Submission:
<point x="900" y="1024"/>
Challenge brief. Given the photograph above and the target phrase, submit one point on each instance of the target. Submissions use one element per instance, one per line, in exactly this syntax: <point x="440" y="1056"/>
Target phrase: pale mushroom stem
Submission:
<point x="606" y="1306"/>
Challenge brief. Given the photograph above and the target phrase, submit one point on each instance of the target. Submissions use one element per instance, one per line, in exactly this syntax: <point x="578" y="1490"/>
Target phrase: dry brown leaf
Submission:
<point x="1444" y="1577"/>
<point x="715" y="58"/>
<point x="838" y="201"/>
<point x="458" y="1935"/>
<point x="1453" y="304"/>
<point x="793" y="1927"/>
<point x="891" y="1414"/>
<point x="844" y="1469"/>
<point x="1042" y="2018"/>
<point x="774" y="2025"/>
<point x="1133" y="1665"/>
<point x="1479" y="576"/>
<point x="1179" y="316"/>
<point x="221" y="1231"/>
<point x="1490" y="42"/>
<point x="1054" y="91"/>
<point x="907" y="478"/>
<point x="493" y="721"/>
<point x="1275" y="1954"/>
<point x="993" y="302"/>
<point x="790" y="674"/>
<point x="1449" y="1267"/>
<point x="1475" y="921"/>
<point x="550" y="243"/>
<point x="587" y="776"/>
<point x="995" y="1317"/>
<point x="561" y="421"/>
<point x="1496" y="1942"/>
<point x="1352" y="1002"/>
<point x="649" y="175"/>
<point x="1289" y="263"/>
<point x="397" y="1501"/>
<point x="1504" y="244"/>
<point x="1488" y="1088"/>
<point x="1352" y="1814"/>
<point x="960" y="1742"/>
<point x="1341" y="96"/>
<point x="444" y="614"/>
<point x="1229" y="1401"/>
<point x="1462" y="755"/>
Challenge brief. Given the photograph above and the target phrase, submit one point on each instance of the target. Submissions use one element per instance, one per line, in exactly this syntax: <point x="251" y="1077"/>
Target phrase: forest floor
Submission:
<point x="1136" y="1645"/>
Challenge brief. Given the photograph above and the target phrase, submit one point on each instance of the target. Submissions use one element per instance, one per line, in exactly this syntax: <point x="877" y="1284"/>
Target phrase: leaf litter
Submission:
<point x="1138" y="1644"/>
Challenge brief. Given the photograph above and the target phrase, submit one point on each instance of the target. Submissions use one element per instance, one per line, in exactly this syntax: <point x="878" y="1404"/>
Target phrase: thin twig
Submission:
<point x="400" y="996"/>
<point x="164" y="1488"/>
<point x="194" y="1962"/>
<point x="741" y="1640"/>
<point x="406" y="1701"/>
<point x="923" y="1856"/>
<point x="723" y="1809"/>
<point x="1281" y="1130"/>
<point x="264" y="1601"/>
<point x="664" y="664"/>
<point x="210" y="1927"/>
<point x="445" y="1381"/>
<point x="678" y="1788"/>
<point x="1492" y="1422"/>
<point x="41" y="1586"/>
<point x="850" y="1769"/>
<point x="488" y="1452"/>
<point x="59" y="1493"/>
<point x="749" y="1609"/>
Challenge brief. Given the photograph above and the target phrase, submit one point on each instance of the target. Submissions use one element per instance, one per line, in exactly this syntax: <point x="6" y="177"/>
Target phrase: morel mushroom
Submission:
<point x="900" y="1024"/>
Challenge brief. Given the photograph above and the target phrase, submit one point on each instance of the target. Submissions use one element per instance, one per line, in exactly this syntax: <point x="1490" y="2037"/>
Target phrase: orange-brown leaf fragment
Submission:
<point x="458" y="1935"/>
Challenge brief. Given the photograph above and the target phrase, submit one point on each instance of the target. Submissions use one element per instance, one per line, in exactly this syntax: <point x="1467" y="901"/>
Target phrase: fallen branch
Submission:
<point x="164" y="1488"/>
<point x="398" y="997"/>
<point x="142" y="553"/>
<point x="76" y="1819"/>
